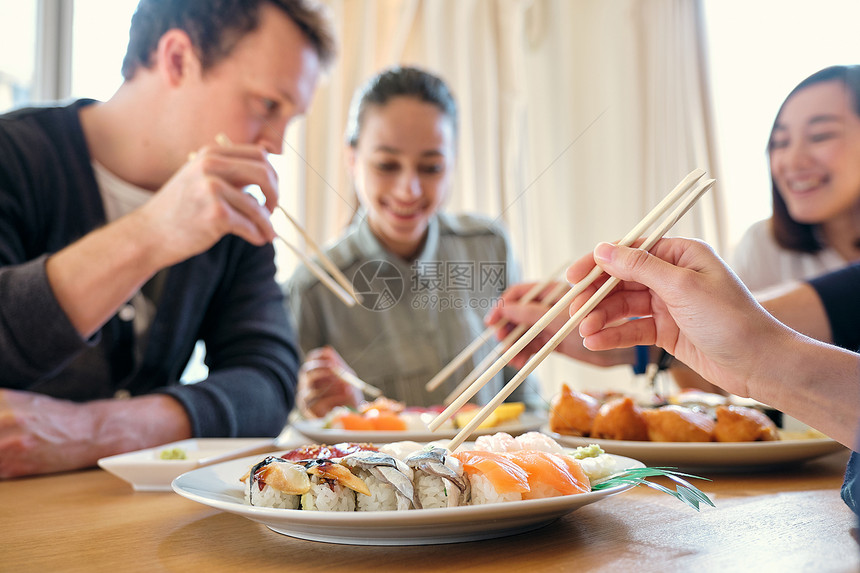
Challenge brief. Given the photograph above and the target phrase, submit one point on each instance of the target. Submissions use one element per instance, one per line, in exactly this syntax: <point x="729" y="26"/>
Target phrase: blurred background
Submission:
<point x="576" y="115"/>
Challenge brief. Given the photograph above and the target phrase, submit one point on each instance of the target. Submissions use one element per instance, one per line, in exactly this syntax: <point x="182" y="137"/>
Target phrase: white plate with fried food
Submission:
<point x="791" y="448"/>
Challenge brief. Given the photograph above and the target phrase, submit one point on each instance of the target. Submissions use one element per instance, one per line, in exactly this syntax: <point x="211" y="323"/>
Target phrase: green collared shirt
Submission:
<point x="415" y="316"/>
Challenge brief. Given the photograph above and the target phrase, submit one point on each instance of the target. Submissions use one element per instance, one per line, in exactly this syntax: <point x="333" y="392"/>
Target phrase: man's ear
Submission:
<point x="175" y="57"/>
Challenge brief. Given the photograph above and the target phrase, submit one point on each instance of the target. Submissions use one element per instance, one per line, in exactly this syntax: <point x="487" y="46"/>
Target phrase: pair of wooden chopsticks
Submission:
<point x="482" y="339"/>
<point x="500" y="348"/>
<point x="357" y="382"/>
<point x="336" y="282"/>
<point x="682" y="189"/>
<point x="497" y="351"/>
<point x="334" y="279"/>
<point x="347" y="377"/>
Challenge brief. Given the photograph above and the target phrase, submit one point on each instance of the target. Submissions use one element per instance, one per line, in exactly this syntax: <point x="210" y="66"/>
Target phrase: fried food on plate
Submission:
<point x="678" y="424"/>
<point x="572" y="413"/>
<point x="741" y="424"/>
<point x="620" y="419"/>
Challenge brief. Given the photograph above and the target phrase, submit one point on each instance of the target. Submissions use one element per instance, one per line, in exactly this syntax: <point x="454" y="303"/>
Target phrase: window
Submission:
<point x="17" y="61"/>
<point x="99" y="41"/>
<point x="758" y="51"/>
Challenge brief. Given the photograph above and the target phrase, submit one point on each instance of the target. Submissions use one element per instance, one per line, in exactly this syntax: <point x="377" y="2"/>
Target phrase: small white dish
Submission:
<point x="146" y="471"/>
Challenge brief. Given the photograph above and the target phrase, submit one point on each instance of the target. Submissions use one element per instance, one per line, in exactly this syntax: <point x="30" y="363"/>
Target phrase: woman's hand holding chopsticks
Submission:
<point x="325" y="381"/>
<point x="519" y="313"/>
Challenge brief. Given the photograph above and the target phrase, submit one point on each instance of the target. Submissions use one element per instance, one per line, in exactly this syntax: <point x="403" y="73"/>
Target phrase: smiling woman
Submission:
<point x="402" y="167"/>
<point x="814" y="153"/>
<point x="427" y="277"/>
<point x="748" y="45"/>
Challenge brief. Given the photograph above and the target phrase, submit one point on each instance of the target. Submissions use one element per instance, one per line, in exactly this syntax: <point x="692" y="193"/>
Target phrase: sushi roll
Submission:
<point x="332" y="487"/>
<point x="439" y="479"/>
<point x="320" y="484"/>
<point x="276" y="482"/>
<point x="388" y="480"/>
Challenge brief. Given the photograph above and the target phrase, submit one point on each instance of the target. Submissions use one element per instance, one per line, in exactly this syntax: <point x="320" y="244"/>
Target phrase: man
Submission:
<point x="126" y="236"/>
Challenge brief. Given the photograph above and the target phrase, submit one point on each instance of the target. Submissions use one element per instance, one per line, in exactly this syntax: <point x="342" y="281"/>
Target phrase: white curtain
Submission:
<point x="576" y="117"/>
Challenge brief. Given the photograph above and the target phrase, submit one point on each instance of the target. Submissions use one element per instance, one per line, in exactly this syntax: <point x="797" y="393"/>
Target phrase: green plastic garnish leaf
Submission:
<point x="684" y="490"/>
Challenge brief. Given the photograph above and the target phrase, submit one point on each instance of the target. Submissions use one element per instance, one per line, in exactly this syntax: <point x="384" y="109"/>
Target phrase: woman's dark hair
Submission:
<point x="399" y="82"/>
<point x="216" y="26"/>
<point x="791" y="234"/>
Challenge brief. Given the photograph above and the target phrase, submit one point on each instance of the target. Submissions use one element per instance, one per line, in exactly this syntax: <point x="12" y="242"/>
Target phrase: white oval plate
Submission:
<point x="219" y="487"/>
<point x="314" y="430"/>
<point x="726" y="456"/>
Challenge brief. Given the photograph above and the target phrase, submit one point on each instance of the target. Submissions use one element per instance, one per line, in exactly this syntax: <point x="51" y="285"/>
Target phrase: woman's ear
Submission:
<point x="350" y="154"/>
<point x="349" y="160"/>
<point x="175" y="57"/>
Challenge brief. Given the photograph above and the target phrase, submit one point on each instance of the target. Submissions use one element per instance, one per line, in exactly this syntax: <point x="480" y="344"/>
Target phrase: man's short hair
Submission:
<point x="216" y="26"/>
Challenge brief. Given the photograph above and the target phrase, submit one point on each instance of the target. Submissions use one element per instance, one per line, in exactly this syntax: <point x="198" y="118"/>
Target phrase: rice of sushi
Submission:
<point x="326" y="495"/>
<point x="401" y="450"/>
<point x="483" y="492"/>
<point x="435" y="492"/>
<point x="388" y="481"/>
<point x="269" y="497"/>
<point x="383" y="496"/>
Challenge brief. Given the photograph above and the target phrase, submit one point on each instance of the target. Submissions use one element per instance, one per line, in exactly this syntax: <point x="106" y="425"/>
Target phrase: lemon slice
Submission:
<point x="506" y="412"/>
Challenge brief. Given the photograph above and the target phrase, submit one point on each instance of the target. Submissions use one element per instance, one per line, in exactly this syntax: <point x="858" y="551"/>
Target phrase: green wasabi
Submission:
<point x="172" y="454"/>
<point x="590" y="451"/>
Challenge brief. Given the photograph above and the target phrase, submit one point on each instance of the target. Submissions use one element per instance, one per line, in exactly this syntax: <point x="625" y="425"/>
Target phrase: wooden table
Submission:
<point x="783" y="521"/>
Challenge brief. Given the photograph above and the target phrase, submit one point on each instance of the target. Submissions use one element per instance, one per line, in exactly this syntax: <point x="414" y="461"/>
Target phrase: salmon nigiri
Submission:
<point x="378" y="422"/>
<point x="525" y="474"/>
<point x="550" y="474"/>
<point x="493" y="477"/>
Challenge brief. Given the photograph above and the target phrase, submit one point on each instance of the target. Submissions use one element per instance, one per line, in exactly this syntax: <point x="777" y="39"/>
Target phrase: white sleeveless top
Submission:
<point x="764" y="266"/>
